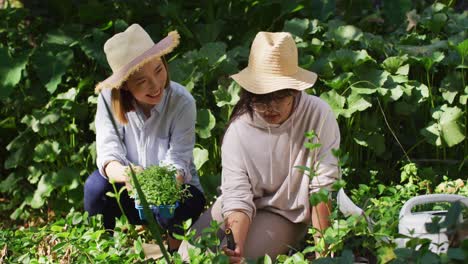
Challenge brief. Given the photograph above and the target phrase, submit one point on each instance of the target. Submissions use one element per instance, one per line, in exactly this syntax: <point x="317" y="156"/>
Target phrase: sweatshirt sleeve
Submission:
<point x="235" y="185"/>
<point x="323" y="160"/>
<point x="108" y="144"/>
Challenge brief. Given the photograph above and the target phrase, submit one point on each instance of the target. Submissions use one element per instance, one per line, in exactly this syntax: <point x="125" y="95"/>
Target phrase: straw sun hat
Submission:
<point x="273" y="65"/>
<point x="127" y="51"/>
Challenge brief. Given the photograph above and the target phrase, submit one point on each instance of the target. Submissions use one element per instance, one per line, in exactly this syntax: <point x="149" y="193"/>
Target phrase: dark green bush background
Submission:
<point x="394" y="71"/>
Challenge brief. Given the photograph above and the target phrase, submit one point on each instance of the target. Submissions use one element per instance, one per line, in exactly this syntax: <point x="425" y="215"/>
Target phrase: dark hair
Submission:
<point x="244" y="105"/>
<point x="122" y="99"/>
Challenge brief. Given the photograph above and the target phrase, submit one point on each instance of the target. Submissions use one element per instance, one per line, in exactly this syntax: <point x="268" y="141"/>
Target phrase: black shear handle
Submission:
<point x="231" y="243"/>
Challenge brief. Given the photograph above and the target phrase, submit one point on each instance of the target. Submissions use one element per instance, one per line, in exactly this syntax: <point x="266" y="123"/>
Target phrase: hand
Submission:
<point x="128" y="175"/>
<point x="180" y="177"/>
<point x="235" y="256"/>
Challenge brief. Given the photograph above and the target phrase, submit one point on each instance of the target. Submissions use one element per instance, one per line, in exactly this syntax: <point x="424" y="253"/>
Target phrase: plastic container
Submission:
<point x="164" y="211"/>
<point x="414" y="224"/>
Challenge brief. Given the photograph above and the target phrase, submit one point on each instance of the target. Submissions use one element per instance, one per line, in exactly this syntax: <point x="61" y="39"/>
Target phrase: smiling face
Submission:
<point x="147" y="84"/>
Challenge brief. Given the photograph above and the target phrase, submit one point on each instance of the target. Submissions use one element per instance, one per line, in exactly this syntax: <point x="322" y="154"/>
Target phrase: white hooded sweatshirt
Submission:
<point x="259" y="160"/>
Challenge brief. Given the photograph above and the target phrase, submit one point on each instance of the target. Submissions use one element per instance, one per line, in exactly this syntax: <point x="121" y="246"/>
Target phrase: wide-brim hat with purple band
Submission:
<point x="127" y="51"/>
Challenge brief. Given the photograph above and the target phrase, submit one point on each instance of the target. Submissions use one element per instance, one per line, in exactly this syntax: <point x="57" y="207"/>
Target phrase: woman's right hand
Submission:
<point x="235" y="256"/>
<point x="128" y="176"/>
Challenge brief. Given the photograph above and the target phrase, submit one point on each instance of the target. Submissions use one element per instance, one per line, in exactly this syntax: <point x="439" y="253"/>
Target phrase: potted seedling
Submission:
<point x="161" y="190"/>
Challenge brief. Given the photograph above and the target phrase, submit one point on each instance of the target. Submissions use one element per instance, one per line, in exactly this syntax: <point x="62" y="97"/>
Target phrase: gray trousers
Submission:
<point x="269" y="233"/>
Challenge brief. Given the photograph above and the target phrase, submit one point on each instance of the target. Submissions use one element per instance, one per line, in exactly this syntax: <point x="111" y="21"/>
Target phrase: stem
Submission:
<point x="391" y="130"/>
<point x="430" y="89"/>
<point x="117" y="197"/>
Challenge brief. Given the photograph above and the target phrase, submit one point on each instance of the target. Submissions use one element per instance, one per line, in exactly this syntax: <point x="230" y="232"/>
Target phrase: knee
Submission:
<point x="95" y="189"/>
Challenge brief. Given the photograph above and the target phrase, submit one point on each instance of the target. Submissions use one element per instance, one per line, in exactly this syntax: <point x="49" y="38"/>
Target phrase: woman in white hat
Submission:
<point x="265" y="197"/>
<point x="156" y="120"/>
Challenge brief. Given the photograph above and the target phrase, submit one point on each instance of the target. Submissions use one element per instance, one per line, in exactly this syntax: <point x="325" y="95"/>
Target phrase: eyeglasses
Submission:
<point x="273" y="106"/>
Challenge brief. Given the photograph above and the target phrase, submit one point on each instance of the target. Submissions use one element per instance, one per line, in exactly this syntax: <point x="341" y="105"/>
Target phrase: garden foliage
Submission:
<point x="394" y="73"/>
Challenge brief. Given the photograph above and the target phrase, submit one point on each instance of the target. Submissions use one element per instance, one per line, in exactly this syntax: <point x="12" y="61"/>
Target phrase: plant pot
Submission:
<point x="163" y="211"/>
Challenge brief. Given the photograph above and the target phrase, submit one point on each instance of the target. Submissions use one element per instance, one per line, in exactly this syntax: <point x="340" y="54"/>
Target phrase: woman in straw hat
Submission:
<point x="156" y="121"/>
<point x="265" y="197"/>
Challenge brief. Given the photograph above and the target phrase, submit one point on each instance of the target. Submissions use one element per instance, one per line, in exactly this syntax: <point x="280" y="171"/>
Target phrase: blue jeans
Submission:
<point x="97" y="202"/>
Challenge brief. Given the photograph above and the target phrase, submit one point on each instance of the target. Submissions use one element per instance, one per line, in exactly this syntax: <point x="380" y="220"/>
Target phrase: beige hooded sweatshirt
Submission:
<point x="259" y="159"/>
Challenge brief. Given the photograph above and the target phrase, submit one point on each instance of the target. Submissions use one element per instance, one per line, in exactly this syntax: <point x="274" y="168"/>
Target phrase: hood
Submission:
<point x="286" y="127"/>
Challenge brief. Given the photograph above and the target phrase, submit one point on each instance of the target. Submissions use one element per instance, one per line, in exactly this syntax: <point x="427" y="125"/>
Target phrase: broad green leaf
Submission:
<point x="316" y="45"/>
<point x="346" y="34"/>
<point x="335" y="100"/>
<point x="437" y="22"/>
<point x="16" y="158"/>
<point x="452" y="132"/>
<point x="92" y="46"/>
<point x="47" y="151"/>
<point x="32" y="122"/>
<point x="10" y="71"/>
<point x="65" y="177"/>
<point x="432" y="134"/>
<point x="323" y="67"/>
<point x="34" y="174"/>
<point x="446" y="129"/>
<point x="68" y="95"/>
<point x="374" y="76"/>
<point x="393" y="64"/>
<point x="229" y="96"/>
<point x="338" y="82"/>
<point x="355" y="103"/>
<point x="429" y="61"/>
<point x="43" y="191"/>
<point x="348" y="59"/>
<point x="50" y="118"/>
<point x="464" y="97"/>
<point x="51" y="63"/>
<point x="59" y="37"/>
<point x="399" y="78"/>
<point x="462" y="48"/>
<point x="205" y="123"/>
<point x="451" y="85"/>
<point x="396" y="92"/>
<point x="213" y="52"/>
<point x="9" y="183"/>
<point x="200" y="156"/>
<point x="296" y="26"/>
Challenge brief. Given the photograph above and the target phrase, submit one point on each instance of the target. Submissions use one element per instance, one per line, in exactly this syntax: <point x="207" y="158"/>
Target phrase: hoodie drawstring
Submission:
<point x="271" y="155"/>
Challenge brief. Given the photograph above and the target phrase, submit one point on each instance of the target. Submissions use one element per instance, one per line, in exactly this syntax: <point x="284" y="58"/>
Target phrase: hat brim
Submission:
<point x="159" y="49"/>
<point x="260" y="83"/>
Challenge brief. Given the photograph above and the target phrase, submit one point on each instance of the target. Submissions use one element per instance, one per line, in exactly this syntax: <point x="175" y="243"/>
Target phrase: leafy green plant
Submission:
<point x="159" y="185"/>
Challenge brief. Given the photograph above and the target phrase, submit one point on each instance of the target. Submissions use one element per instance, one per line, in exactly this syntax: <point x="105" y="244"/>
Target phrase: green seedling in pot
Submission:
<point x="160" y="187"/>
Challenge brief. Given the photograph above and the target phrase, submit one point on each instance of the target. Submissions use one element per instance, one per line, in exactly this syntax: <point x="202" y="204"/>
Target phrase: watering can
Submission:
<point x="413" y="224"/>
